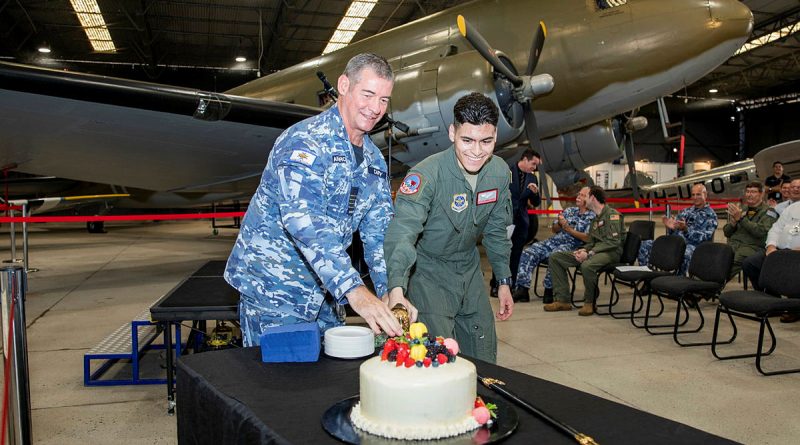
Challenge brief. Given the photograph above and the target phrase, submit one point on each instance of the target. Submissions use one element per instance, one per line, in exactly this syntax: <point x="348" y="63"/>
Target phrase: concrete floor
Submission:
<point x="88" y="285"/>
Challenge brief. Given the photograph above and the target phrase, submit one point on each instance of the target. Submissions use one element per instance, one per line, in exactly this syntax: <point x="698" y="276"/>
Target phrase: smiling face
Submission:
<point x="474" y="144"/>
<point x="580" y="200"/>
<point x="777" y="170"/>
<point x="363" y="100"/>
<point x="752" y="196"/>
<point x="699" y="195"/>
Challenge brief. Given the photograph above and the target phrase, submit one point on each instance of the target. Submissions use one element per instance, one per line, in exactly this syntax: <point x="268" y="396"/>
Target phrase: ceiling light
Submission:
<point x="91" y="18"/>
<point x="241" y="59"/>
<point x="713" y="91"/>
<point x="356" y="13"/>
<point x="44" y="50"/>
<point x="674" y="150"/>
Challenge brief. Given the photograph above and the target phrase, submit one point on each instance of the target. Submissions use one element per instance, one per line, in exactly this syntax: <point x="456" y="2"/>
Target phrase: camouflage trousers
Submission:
<point x="533" y="255"/>
<point x="255" y="315"/>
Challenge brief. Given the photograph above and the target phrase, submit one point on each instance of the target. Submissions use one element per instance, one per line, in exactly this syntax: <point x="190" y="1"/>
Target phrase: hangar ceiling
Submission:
<point x="194" y="42"/>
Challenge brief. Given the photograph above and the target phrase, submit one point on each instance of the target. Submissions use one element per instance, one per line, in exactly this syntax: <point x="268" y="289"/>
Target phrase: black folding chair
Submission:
<point x="629" y="253"/>
<point x="645" y="229"/>
<point x="778" y="277"/>
<point x="708" y="273"/>
<point x="665" y="259"/>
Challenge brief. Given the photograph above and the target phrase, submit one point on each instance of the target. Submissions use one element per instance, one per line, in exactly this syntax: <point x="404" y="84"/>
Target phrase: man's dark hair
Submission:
<point x="368" y="60"/>
<point x="598" y="193"/>
<point x="475" y="109"/>
<point x="755" y="185"/>
<point x="530" y="154"/>
<point x="777" y="163"/>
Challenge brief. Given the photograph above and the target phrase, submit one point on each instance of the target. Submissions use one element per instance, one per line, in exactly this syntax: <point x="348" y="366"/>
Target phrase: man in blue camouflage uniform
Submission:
<point x="696" y="224"/>
<point x="570" y="230"/>
<point x="324" y="180"/>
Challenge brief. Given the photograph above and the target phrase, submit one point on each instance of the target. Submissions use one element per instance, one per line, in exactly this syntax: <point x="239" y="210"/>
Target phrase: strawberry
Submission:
<point x="479" y="402"/>
<point x="384" y="355"/>
<point x="390" y="345"/>
<point x="427" y="362"/>
<point x="441" y="358"/>
<point x="409" y="362"/>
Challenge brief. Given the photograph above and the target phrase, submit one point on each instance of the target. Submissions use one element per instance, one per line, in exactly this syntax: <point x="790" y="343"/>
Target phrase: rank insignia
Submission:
<point x="459" y="202"/>
<point x="411" y="184"/>
<point x="613" y="218"/>
<point x="302" y="157"/>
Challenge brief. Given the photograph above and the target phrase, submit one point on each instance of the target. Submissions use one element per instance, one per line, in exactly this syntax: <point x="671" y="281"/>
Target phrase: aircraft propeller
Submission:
<point x="525" y="87"/>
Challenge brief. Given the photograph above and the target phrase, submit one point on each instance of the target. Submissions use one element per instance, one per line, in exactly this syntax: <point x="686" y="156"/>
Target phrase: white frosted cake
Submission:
<point x="406" y="397"/>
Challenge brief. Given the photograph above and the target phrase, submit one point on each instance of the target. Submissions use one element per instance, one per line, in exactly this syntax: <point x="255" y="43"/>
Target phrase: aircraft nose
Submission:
<point x="732" y="15"/>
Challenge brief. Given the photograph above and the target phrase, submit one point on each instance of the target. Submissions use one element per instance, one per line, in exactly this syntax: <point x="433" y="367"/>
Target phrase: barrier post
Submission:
<point x="13" y="233"/>
<point x="25" y="213"/>
<point x="650" y="206"/>
<point x="13" y="282"/>
<point x="668" y="211"/>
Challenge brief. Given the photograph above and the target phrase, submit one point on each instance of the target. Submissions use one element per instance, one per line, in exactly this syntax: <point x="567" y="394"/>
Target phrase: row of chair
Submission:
<point x="709" y="270"/>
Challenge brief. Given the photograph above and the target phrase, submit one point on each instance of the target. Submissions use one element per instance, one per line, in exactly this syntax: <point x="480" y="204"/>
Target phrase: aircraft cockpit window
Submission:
<point x="608" y="4"/>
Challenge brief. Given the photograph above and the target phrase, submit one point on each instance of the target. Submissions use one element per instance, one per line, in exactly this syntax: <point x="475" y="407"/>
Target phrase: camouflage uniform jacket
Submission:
<point x="312" y="197"/>
<point x="700" y="225"/>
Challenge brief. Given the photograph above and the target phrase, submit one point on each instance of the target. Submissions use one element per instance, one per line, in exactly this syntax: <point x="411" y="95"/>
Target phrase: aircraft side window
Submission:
<point x="738" y="177"/>
<point x="608" y="4"/>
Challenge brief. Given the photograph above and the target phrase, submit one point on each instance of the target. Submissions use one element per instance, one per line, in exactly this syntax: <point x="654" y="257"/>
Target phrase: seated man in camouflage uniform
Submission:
<point x="695" y="224"/>
<point x="606" y="237"/>
<point x="747" y="227"/>
<point x="324" y="180"/>
<point x="570" y="232"/>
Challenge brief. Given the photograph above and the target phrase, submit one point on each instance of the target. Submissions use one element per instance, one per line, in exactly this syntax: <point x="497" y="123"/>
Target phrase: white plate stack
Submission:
<point x="349" y="342"/>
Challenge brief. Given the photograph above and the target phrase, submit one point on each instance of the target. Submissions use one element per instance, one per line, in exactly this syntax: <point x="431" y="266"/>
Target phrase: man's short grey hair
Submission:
<point x="368" y="60"/>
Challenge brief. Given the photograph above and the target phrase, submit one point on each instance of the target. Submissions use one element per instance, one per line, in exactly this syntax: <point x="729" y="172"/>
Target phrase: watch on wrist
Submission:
<point x="507" y="281"/>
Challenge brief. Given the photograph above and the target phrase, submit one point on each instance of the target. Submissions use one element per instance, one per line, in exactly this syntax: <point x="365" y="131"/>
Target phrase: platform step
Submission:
<point x="119" y="341"/>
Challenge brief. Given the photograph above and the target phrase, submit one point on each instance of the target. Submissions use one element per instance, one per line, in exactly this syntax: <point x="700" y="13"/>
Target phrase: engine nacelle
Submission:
<point x="423" y="98"/>
<point x="576" y="150"/>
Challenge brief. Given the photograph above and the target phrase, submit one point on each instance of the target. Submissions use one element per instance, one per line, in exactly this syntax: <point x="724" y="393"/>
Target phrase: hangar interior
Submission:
<point x="89" y="284"/>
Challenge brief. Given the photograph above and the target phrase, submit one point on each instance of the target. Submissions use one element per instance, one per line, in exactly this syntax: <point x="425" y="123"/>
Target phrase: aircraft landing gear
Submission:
<point x="95" y="227"/>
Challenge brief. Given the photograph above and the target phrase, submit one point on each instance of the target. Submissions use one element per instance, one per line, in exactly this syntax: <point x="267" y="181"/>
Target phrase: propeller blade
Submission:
<point x="536" y="48"/>
<point x="632" y="167"/>
<point x="532" y="132"/>
<point x="482" y="46"/>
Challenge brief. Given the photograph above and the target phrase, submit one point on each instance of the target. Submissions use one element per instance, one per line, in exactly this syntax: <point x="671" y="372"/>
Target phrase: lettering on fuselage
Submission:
<point x="724" y="186"/>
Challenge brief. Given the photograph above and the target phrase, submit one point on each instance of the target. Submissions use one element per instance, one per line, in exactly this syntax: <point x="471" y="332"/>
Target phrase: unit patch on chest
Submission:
<point x="487" y="197"/>
<point x="459" y="203"/>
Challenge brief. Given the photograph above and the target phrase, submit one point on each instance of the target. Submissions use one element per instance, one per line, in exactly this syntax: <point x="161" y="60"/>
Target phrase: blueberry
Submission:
<point x="419" y="364"/>
<point x="435" y="363"/>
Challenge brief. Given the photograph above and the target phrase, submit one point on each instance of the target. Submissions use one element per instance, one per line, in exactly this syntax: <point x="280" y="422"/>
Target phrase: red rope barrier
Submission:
<point x="165" y="217"/>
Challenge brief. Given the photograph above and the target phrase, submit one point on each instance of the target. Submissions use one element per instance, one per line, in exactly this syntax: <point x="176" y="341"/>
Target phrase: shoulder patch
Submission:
<point x="613" y="217"/>
<point x="772" y="213"/>
<point x="302" y="157"/>
<point x="411" y="184"/>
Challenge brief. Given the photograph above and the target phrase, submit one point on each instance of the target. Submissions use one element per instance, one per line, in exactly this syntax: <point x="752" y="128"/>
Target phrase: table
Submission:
<point x="197" y="298"/>
<point x="230" y="396"/>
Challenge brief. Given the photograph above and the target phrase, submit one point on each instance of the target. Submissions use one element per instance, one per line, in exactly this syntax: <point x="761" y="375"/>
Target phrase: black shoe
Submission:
<point x="548" y="296"/>
<point x="493" y="292"/>
<point x="520" y="295"/>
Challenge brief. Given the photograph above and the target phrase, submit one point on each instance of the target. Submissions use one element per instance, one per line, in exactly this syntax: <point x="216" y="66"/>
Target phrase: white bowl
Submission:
<point x="349" y="342"/>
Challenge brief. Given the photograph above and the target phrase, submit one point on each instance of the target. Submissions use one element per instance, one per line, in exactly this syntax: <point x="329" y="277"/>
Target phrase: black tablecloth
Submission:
<point x="230" y="396"/>
<point x="198" y="298"/>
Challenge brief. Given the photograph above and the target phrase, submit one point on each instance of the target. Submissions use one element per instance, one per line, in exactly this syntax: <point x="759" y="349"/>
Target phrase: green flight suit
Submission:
<point x="749" y="235"/>
<point x="606" y="238"/>
<point x="431" y="247"/>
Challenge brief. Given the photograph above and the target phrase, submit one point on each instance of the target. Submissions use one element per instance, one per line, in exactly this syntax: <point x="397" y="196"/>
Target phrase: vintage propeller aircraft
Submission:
<point x="557" y="85"/>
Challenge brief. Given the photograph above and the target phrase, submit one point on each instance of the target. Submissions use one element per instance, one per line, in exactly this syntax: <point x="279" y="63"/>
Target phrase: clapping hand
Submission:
<point x="533" y="188"/>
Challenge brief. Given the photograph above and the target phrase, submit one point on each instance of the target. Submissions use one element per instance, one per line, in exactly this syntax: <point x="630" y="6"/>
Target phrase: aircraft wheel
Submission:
<point x="95" y="227"/>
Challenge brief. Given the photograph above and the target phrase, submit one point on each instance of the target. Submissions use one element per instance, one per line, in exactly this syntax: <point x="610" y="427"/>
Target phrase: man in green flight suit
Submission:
<point x="604" y="246"/>
<point x="445" y="203"/>
<point x="747" y="229"/>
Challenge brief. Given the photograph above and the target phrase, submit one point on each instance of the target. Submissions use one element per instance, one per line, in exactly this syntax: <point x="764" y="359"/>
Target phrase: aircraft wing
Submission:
<point x="135" y="134"/>
<point x="788" y="153"/>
